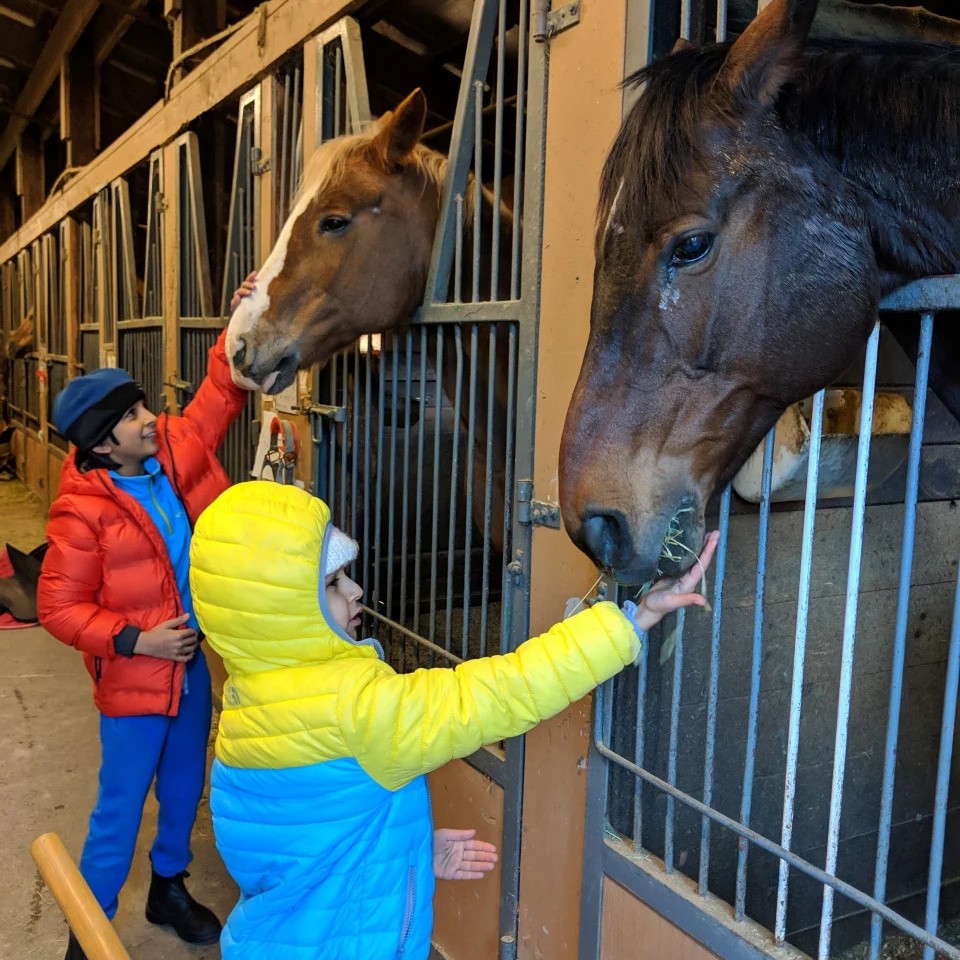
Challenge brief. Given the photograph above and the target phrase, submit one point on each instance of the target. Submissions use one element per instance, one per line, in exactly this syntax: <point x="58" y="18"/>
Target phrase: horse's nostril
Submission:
<point x="241" y="353"/>
<point x="607" y="538"/>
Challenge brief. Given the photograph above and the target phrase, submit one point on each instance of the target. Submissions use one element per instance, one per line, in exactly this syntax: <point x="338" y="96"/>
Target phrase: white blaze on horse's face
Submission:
<point x="251" y="309"/>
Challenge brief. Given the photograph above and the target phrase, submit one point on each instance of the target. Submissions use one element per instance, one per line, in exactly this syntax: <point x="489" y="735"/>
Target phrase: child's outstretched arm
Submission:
<point x="400" y="726"/>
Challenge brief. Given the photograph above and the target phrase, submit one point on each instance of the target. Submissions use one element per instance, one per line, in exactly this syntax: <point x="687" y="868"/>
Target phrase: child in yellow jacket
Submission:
<point x="318" y="794"/>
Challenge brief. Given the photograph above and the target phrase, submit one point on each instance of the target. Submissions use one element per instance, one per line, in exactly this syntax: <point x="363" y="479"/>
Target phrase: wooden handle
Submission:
<point x="86" y="917"/>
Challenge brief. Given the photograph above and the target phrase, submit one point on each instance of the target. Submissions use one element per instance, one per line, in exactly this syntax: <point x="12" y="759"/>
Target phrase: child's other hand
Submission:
<point x="670" y="595"/>
<point x="457" y="856"/>
<point x="244" y="290"/>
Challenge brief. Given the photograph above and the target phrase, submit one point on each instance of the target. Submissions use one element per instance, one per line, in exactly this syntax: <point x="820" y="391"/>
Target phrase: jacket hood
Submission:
<point x="255" y="575"/>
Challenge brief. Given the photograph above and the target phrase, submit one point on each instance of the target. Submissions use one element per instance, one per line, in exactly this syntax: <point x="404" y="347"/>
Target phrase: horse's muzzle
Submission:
<point x="269" y="371"/>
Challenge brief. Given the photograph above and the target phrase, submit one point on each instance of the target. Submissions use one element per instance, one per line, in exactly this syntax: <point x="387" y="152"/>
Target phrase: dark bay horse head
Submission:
<point x="352" y="257"/>
<point x="758" y="201"/>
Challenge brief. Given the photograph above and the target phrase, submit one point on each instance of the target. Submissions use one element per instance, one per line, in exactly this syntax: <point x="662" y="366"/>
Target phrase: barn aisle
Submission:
<point x="48" y="782"/>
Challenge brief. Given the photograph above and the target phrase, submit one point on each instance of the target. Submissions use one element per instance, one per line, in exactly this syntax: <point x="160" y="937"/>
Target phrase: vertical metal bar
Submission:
<point x="900" y="629"/>
<point x="849" y="636"/>
<point x="477" y="185"/>
<point x="392" y="486"/>
<point x="476" y="59"/>
<point x="948" y="722"/>
<point x="721" y="21"/>
<point x="506" y="607"/>
<point x="498" y="155"/>
<point x="488" y="479"/>
<point x="418" y="511"/>
<point x="330" y="429"/>
<point x="368" y="399"/>
<point x="404" y="517"/>
<point x="345" y="446"/>
<point x="799" y="657"/>
<point x="686" y="16"/>
<point x="468" y="518"/>
<point x="458" y="254"/>
<point x="518" y="157"/>
<point x="640" y="738"/>
<point x="378" y="507"/>
<point x="674" y="741"/>
<point x="712" y="695"/>
<point x="355" y="445"/>
<point x="454" y="485"/>
<point x="756" y="663"/>
<point x="436" y="487"/>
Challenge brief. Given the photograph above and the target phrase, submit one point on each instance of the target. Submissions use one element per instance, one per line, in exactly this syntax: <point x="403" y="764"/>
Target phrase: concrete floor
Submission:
<point x="48" y="782"/>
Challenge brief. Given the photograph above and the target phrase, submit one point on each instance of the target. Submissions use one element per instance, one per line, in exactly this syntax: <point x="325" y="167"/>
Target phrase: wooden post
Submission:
<point x="79" y="104"/>
<point x="84" y="915"/>
<point x="583" y="110"/>
<point x="170" y="246"/>
<point x="29" y="173"/>
<point x="71" y="294"/>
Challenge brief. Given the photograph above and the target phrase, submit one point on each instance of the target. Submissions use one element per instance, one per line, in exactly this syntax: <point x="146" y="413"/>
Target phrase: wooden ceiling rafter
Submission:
<point x="73" y="20"/>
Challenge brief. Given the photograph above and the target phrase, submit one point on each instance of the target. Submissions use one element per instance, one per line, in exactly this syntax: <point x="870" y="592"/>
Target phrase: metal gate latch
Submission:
<point x="537" y="513"/>
<point x="328" y="412"/>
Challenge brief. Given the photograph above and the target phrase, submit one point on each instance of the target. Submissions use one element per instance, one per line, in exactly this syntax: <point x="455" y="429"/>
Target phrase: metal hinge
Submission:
<point x="548" y="23"/>
<point x="535" y="512"/>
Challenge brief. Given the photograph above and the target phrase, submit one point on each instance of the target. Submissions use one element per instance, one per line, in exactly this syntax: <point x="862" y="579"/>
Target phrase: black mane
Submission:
<point x="852" y="100"/>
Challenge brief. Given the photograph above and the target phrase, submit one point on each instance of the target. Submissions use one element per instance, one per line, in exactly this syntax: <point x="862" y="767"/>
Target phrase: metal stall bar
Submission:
<point x="799" y="659"/>
<point x="900" y="630"/>
<point x="849" y="635"/>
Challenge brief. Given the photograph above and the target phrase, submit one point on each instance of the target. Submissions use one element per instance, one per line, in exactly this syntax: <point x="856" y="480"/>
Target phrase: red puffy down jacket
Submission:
<point x="107" y="565"/>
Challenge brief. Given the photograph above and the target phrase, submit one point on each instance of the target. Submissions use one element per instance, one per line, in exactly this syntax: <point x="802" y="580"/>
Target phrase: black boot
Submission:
<point x="169" y="903"/>
<point x="74" y="950"/>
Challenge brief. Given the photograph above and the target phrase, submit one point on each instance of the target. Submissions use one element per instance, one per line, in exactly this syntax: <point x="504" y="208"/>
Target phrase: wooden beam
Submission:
<point x="236" y="64"/>
<point x="72" y="22"/>
<point x="111" y="27"/>
<point x="79" y="105"/>
<point x="29" y="173"/>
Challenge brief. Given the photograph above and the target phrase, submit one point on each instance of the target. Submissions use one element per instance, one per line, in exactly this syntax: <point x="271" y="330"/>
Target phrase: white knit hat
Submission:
<point x="341" y="550"/>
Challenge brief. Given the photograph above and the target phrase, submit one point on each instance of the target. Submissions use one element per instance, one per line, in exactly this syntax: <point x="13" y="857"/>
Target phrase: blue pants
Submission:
<point x="135" y="751"/>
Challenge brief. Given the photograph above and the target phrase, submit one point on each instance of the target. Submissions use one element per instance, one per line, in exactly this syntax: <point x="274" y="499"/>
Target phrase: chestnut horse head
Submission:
<point x="352" y="257"/>
<point x="759" y="200"/>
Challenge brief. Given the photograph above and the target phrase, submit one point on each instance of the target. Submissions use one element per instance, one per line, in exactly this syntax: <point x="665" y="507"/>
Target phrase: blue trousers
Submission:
<point x="137" y="750"/>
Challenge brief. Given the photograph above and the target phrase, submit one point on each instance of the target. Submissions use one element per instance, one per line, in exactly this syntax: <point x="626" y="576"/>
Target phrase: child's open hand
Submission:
<point x="666" y="596"/>
<point x="457" y="856"/>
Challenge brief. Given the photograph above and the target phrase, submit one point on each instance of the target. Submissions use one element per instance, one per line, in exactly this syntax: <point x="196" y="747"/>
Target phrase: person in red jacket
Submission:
<point x="115" y="585"/>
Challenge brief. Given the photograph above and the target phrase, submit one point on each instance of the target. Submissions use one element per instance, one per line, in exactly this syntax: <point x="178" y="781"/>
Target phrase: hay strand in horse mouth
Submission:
<point x="672" y="541"/>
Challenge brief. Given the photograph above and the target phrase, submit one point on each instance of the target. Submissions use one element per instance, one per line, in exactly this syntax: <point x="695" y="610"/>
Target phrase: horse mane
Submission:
<point x="325" y="166"/>
<point x="851" y="100"/>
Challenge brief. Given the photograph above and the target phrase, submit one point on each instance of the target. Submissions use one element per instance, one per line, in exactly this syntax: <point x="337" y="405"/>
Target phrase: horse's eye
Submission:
<point x="334" y="224"/>
<point x="691" y="248"/>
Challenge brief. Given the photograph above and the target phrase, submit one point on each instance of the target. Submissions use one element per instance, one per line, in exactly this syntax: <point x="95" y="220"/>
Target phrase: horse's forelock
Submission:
<point x="654" y="145"/>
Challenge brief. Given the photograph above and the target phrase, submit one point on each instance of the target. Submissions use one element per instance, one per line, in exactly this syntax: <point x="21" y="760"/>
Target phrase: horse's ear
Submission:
<point x="401" y="130"/>
<point x="682" y="44"/>
<point x="767" y="54"/>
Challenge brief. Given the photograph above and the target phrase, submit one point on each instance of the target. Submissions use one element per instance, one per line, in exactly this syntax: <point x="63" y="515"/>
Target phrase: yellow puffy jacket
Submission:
<point x="301" y="692"/>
